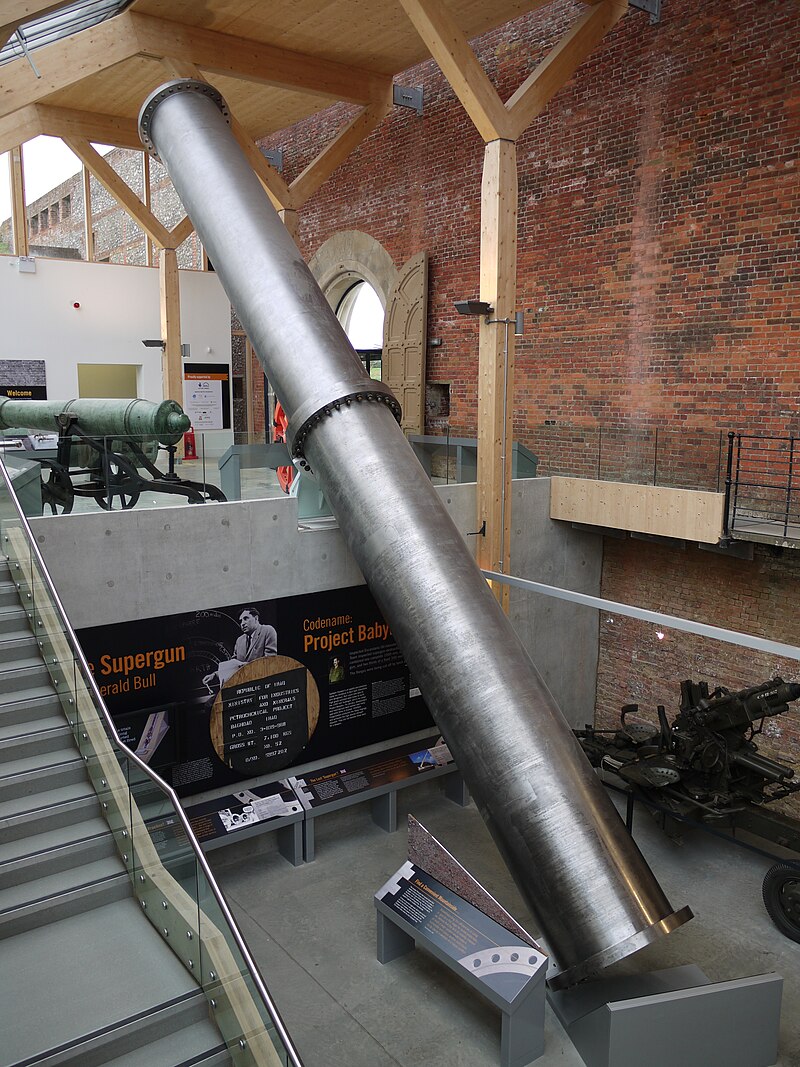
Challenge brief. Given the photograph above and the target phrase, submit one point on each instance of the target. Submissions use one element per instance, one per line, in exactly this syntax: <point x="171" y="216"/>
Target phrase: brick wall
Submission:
<point x="658" y="228"/>
<point x="58" y="233"/>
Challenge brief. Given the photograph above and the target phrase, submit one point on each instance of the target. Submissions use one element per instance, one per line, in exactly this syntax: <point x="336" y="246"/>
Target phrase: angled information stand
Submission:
<point x="415" y="910"/>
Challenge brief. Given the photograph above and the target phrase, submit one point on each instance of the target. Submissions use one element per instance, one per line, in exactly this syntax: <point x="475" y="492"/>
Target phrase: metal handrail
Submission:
<point x="763" y="462"/>
<point x="158" y="782"/>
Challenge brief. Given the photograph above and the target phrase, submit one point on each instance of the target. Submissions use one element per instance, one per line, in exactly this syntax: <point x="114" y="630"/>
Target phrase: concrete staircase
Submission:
<point x="84" y="977"/>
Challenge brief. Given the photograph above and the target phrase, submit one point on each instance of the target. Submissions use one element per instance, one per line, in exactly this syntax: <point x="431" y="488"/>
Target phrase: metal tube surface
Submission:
<point x="140" y="419"/>
<point x="587" y="884"/>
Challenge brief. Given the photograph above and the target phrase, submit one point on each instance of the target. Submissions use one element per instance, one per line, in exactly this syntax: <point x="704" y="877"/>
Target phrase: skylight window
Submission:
<point x="59" y="24"/>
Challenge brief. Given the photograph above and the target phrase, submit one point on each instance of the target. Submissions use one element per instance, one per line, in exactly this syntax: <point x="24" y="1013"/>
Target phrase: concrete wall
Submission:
<point x="119" y="307"/>
<point x="140" y="564"/>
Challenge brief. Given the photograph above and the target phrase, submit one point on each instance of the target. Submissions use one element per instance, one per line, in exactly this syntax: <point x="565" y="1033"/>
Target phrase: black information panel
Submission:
<point x="370" y="772"/>
<point x="264" y="720"/>
<point x="358" y="690"/>
<point x="489" y="952"/>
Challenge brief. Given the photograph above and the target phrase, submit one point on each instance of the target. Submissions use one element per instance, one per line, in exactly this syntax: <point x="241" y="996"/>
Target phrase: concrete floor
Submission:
<point x="312" y="932"/>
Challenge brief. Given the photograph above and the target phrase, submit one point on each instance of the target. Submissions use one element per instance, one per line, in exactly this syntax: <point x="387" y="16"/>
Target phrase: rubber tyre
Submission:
<point x="781" y="892"/>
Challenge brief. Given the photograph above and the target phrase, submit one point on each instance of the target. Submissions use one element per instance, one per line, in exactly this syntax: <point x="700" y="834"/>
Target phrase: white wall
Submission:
<point x="119" y="306"/>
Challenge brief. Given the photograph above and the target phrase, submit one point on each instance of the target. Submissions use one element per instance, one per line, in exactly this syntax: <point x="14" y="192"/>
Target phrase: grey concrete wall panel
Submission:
<point x="562" y="638"/>
<point x="142" y="564"/>
<point x="164" y="561"/>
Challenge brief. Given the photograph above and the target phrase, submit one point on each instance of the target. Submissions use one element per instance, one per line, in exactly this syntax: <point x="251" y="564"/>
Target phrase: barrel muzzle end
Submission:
<point x="178" y="85"/>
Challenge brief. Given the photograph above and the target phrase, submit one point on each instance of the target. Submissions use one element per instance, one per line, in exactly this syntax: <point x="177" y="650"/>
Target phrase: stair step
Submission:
<point x="175" y="1033"/>
<point x="49" y="736"/>
<point x="27" y="676"/>
<point x="22" y="816"/>
<point x="112" y="962"/>
<point x="31" y="905"/>
<point x="16" y="647"/>
<point x="27" y="776"/>
<point x="13" y="731"/>
<point x="27" y="705"/>
<point x="55" y="850"/>
<point x="9" y="594"/>
<point x="13" y="619"/>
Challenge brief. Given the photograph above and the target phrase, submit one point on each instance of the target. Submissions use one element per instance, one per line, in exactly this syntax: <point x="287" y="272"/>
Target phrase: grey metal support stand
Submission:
<point x="673" y="1017"/>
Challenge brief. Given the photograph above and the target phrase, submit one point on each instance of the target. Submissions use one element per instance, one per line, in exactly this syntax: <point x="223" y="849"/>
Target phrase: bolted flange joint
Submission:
<point x="179" y="85"/>
<point x="375" y="392"/>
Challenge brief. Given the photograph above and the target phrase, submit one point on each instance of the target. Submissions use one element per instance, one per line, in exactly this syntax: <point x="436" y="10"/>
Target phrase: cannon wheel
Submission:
<point x="57" y="492"/>
<point x="781" y="892"/>
<point x="124" y="485"/>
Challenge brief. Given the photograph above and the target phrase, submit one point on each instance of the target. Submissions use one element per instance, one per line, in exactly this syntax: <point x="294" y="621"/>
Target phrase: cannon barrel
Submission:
<point x="141" y="419"/>
<point x="585" y="880"/>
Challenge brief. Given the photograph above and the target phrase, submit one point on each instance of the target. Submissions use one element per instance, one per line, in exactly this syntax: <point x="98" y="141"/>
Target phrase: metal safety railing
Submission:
<point x="170" y="875"/>
<point x="762" y="487"/>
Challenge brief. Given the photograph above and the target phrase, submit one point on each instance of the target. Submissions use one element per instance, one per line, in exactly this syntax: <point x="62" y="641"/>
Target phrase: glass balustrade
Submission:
<point x="169" y="874"/>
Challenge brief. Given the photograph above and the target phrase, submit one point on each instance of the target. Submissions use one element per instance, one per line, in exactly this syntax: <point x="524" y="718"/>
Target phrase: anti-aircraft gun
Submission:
<point x="705" y="767"/>
<point x="105" y="450"/>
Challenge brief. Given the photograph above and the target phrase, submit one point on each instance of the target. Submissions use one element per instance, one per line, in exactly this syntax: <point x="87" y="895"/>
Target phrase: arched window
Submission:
<point x="361" y="314"/>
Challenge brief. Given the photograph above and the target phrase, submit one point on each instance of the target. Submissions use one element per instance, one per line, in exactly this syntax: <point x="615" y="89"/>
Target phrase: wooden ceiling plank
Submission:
<point x="121" y="191"/>
<point x="219" y="53"/>
<point x="449" y="47"/>
<point x="88" y="125"/>
<point x="561" y="63"/>
<point x="19" y="127"/>
<point x="335" y="153"/>
<point x="66" y="62"/>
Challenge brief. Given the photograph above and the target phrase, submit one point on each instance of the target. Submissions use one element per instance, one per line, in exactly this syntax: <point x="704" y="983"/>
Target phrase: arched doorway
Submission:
<point x="354" y="263"/>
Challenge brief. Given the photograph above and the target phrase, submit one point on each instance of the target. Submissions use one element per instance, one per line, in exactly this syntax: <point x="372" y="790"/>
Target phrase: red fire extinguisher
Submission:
<point x="189" y="448"/>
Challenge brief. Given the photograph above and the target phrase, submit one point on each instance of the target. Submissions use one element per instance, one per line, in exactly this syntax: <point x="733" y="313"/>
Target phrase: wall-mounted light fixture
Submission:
<point x="155" y="343"/>
<point x="474" y="307"/>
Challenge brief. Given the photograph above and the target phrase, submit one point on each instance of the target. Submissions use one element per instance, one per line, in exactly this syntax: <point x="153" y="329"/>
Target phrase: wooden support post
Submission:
<point x="171" y="324"/>
<point x="19" y="221"/>
<point x="291" y="220"/>
<point x="498" y="272"/>
<point x="88" y="229"/>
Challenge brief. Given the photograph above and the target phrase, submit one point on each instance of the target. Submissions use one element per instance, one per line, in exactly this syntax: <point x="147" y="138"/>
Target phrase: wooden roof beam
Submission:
<point x="494" y="120"/>
<point x="237" y="57"/>
<point x="447" y="44"/>
<point x="18" y="128"/>
<point x="334" y="154"/>
<point x="89" y="126"/>
<point x="121" y="192"/>
<point x="560" y="64"/>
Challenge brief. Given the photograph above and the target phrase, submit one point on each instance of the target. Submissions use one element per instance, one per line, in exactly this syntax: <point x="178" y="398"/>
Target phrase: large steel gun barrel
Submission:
<point x="140" y="419"/>
<point x="586" y="882"/>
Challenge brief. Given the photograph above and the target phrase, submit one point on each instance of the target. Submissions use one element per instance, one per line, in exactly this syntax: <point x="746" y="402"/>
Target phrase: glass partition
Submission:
<point x="170" y="877"/>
